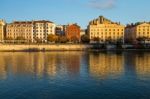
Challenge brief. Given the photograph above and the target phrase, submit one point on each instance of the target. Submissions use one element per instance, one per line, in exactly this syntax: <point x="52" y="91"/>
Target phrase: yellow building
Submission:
<point x="136" y="31"/>
<point x="20" y="30"/>
<point x="2" y="30"/>
<point x="105" y="30"/>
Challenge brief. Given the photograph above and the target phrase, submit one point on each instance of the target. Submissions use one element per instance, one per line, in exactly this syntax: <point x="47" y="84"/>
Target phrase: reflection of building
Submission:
<point x="39" y="64"/>
<point x="73" y="63"/>
<point x="73" y="32"/>
<point x="28" y="64"/>
<point x="142" y="64"/>
<point x="21" y="63"/>
<point x="2" y="30"/>
<point x="138" y="30"/>
<point x="105" y="29"/>
<point x="104" y="65"/>
<point x="51" y="64"/>
<point x="3" y="71"/>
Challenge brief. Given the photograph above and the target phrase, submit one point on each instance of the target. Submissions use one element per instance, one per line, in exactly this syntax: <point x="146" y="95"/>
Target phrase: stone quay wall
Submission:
<point x="46" y="47"/>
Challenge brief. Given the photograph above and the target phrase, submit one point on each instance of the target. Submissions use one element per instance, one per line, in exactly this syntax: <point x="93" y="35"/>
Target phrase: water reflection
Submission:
<point x="142" y="63"/>
<point x="40" y="64"/>
<point x="3" y="73"/>
<point x="81" y="74"/>
<point x="104" y="65"/>
<point x="99" y="65"/>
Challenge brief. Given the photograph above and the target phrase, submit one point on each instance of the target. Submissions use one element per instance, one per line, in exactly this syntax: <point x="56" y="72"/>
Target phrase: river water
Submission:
<point x="75" y="75"/>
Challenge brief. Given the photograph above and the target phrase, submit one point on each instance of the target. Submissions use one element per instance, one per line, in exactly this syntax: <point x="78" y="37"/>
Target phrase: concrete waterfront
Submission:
<point x="44" y="47"/>
<point x="70" y="47"/>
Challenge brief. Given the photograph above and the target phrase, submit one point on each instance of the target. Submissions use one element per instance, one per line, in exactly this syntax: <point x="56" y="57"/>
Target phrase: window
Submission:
<point x="139" y="29"/>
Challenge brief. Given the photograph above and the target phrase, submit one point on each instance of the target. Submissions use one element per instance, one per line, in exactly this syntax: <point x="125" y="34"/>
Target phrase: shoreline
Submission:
<point x="58" y="47"/>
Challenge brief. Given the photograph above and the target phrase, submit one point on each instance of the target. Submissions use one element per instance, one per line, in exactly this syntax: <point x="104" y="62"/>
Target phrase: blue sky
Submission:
<point x="75" y="11"/>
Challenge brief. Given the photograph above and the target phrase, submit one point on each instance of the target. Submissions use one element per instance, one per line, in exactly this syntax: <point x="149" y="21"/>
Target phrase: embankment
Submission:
<point x="46" y="47"/>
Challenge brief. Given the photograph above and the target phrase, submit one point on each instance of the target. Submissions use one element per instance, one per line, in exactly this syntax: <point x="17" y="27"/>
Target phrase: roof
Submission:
<point x="102" y="20"/>
<point x="42" y="21"/>
<point x="22" y="22"/>
<point x="74" y="24"/>
<point x="136" y="24"/>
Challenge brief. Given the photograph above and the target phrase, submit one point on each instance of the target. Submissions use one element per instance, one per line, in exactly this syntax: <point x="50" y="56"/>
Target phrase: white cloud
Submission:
<point x="102" y="4"/>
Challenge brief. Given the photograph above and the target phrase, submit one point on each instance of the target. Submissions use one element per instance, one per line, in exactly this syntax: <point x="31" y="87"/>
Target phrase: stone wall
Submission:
<point x="52" y="47"/>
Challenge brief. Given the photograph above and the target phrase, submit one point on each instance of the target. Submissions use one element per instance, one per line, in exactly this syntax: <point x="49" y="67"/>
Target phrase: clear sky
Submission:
<point x="75" y="11"/>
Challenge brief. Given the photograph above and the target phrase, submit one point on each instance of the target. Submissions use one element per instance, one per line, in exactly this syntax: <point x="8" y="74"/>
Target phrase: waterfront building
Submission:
<point x="60" y="30"/>
<point x="20" y="30"/>
<point x="73" y="32"/>
<point x="105" y="30"/>
<point x="138" y="31"/>
<point x="2" y="30"/>
<point x="82" y="32"/>
<point x="31" y="31"/>
<point x="42" y="29"/>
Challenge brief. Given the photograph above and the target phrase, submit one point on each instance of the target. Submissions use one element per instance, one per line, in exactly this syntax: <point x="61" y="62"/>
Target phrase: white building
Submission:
<point x="31" y="31"/>
<point x="42" y="29"/>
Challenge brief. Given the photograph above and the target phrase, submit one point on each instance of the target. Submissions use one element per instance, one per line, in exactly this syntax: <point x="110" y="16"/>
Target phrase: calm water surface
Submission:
<point x="75" y="75"/>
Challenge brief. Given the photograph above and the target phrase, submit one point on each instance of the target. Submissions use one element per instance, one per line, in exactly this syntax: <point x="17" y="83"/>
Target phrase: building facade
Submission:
<point x="60" y="30"/>
<point x="2" y="30"/>
<point x="20" y="30"/>
<point x="73" y="32"/>
<point x="42" y="29"/>
<point x="31" y="31"/>
<point x="82" y="32"/>
<point x="137" y="31"/>
<point x="105" y="30"/>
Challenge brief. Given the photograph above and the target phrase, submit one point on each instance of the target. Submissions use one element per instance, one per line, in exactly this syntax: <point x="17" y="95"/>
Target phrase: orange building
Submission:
<point x="73" y="32"/>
